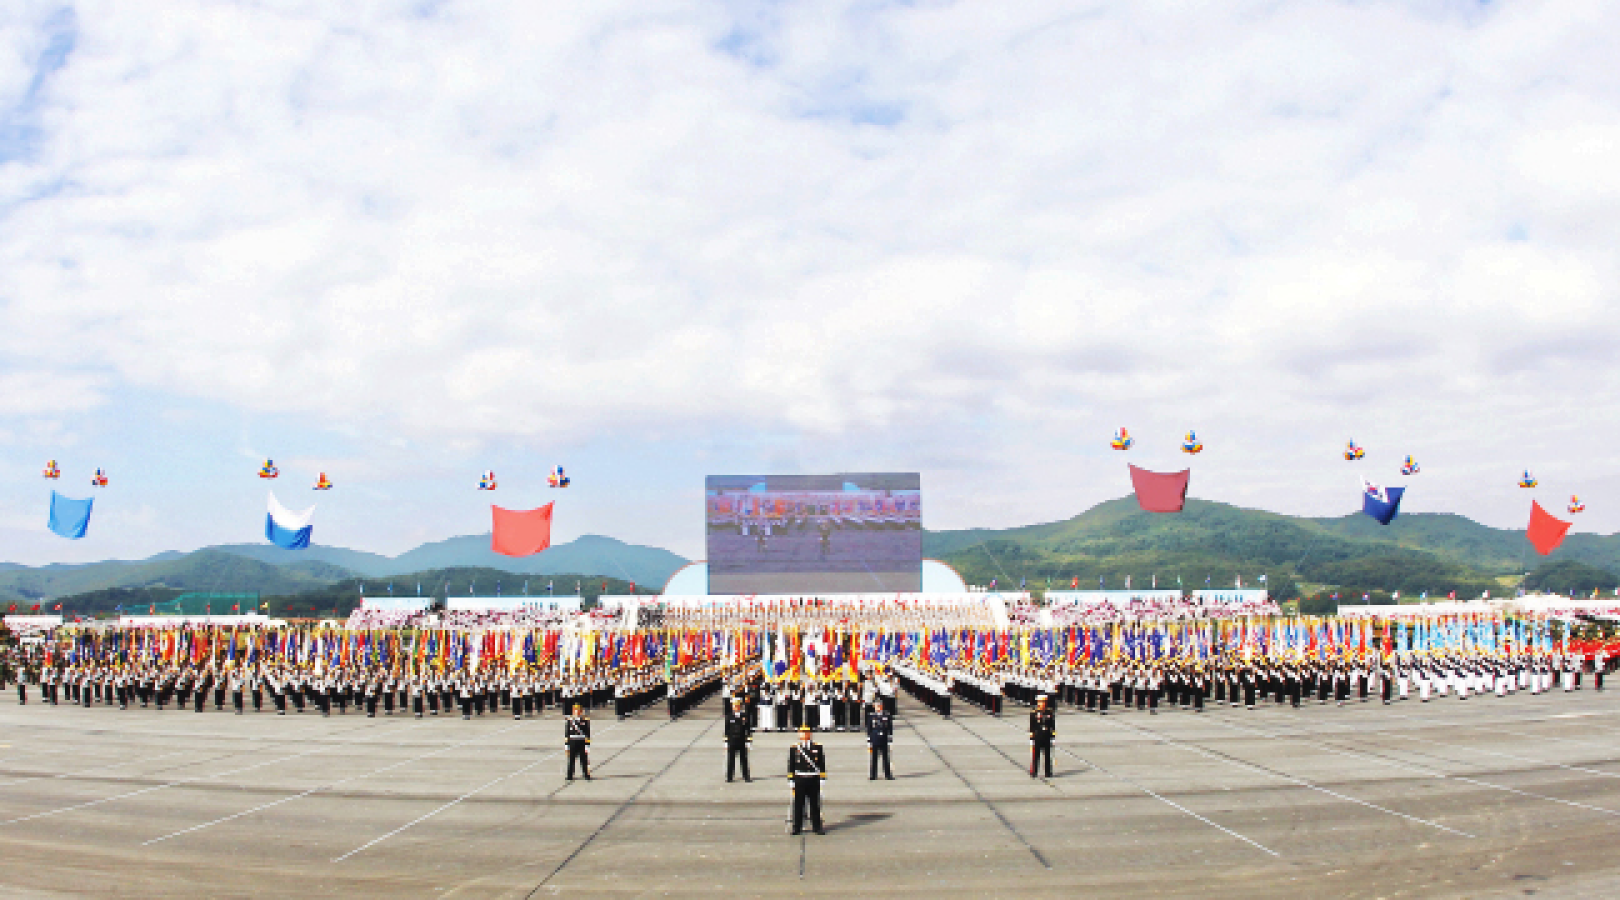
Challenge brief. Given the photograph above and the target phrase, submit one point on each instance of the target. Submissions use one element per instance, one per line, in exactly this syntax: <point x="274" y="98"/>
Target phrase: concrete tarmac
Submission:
<point x="1517" y="796"/>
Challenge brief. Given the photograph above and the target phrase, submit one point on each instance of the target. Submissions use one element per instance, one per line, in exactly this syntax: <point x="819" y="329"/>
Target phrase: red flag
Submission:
<point x="35" y="609"/>
<point x="1546" y="531"/>
<point x="521" y="532"/>
<point x="1161" y="492"/>
<point x="58" y="607"/>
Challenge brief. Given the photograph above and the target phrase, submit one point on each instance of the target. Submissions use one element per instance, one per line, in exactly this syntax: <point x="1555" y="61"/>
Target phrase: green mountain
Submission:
<point x="271" y="570"/>
<point x="590" y="553"/>
<point x="209" y="569"/>
<point x="1216" y="543"/>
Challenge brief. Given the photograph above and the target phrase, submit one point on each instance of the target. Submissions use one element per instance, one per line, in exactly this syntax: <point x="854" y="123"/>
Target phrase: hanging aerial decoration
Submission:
<point x="557" y="478"/>
<point x="1160" y="492"/>
<point x="51" y="471"/>
<point x="1382" y="503"/>
<point x="1122" y="440"/>
<point x="1575" y="504"/>
<point x="1528" y="481"/>
<point x="1545" y="530"/>
<point x="487" y="483"/>
<point x="288" y="529"/>
<point x="1192" y="444"/>
<point x="323" y="484"/>
<point x="520" y="532"/>
<point x="99" y="479"/>
<point x="1352" y="452"/>
<point x="1410" y="467"/>
<point x="70" y="518"/>
<point x="269" y="470"/>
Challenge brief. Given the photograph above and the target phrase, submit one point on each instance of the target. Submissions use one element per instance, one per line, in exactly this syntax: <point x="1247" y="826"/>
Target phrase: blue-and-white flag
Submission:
<point x="1381" y="503"/>
<point x="285" y="528"/>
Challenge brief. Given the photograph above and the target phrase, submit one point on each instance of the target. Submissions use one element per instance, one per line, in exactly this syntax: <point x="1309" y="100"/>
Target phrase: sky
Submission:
<point x="402" y="243"/>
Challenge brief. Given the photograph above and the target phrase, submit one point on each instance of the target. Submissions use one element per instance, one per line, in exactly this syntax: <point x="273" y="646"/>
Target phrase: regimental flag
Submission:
<point x="1546" y="531"/>
<point x="1382" y="503"/>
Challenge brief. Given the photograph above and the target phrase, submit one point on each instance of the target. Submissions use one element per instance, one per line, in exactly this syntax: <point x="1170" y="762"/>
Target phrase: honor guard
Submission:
<point x="807" y="768"/>
<point x="738" y="735"/>
<point x="577" y="735"/>
<point x="1042" y="731"/>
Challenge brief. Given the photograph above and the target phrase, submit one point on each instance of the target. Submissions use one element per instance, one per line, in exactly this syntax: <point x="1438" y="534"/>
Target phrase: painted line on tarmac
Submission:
<point x="114" y="765"/>
<point x="982" y="798"/>
<point x="1525" y="759"/>
<point x="130" y="762"/>
<point x="315" y="790"/>
<point x="176" y="783"/>
<point x="483" y="787"/>
<point x="1266" y="770"/>
<point x="627" y="804"/>
<point x="1431" y="773"/>
<point x="1161" y="798"/>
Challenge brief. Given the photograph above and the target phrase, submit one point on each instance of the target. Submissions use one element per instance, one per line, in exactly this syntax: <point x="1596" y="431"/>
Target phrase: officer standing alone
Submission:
<point x="577" y="734"/>
<point x="738" y="734"/>
<point x="879" y="734"/>
<point x="1042" y="731"/>
<point x="807" y="768"/>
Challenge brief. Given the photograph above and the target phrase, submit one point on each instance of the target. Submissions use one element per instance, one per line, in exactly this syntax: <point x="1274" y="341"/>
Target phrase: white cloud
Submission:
<point x="960" y="233"/>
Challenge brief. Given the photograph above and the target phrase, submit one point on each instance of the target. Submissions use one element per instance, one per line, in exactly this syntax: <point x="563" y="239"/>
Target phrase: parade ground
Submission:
<point x="1483" y="797"/>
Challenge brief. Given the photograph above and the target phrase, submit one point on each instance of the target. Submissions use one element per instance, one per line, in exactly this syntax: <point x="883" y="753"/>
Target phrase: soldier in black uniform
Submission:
<point x="577" y="735"/>
<point x="879" y="732"/>
<point x="738" y="733"/>
<point x="1042" y="730"/>
<point x="807" y="768"/>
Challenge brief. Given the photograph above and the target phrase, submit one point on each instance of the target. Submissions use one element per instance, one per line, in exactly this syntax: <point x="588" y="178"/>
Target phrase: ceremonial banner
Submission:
<point x="1545" y="532"/>
<point x="1382" y="503"/>
<point x="520" y="532"/>
<point x="288" y="529"/>
<point x="1160" y="492"/>
<point x="70" y="518"/>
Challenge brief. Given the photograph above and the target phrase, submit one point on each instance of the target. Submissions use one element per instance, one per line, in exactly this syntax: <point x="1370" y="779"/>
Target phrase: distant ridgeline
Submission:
<point x="1215" y="544"/>
<point x="1207" y="544"/>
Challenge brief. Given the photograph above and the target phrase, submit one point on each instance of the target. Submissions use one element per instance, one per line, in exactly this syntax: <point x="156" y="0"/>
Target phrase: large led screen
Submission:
<point x="801" y="534"/>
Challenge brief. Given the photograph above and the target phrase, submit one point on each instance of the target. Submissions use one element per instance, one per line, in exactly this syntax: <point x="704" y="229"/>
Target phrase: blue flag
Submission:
<point x="1381" y="503"/>
<point x="285" y="528"/>
<point x="70" y="518"/>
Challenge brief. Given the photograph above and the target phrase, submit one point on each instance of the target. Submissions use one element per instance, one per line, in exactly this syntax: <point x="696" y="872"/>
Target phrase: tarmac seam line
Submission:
<point x="591" y="838"/>
<point x="318" y="789"/>
<point x="982" y="799"/>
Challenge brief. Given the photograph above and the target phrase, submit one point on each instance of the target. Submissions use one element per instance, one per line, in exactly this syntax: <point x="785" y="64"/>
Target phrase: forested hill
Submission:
<point x="1217" y="543"/>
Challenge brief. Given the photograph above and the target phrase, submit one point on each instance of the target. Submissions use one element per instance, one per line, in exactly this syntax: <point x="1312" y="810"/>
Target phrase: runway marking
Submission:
<point x="481" y="788"/>
<point x="628" y="803"/>
<point x="1540" y="762"/>
<point x="982" y="799"/>
<point x="314" y="790"/>
<point x="1265" y="770"/>
<point x="1427" y="772"/>
<point x="160" y="787"/>
<point x="1162" y="799"/>
<point x="127" y="762"/>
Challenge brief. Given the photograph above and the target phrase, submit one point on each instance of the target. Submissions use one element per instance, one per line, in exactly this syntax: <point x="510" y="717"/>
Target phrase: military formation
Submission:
<point x="805" y="672"/>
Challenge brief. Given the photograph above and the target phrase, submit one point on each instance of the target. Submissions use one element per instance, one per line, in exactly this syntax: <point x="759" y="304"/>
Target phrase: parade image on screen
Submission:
<point x="788" y="534"/>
